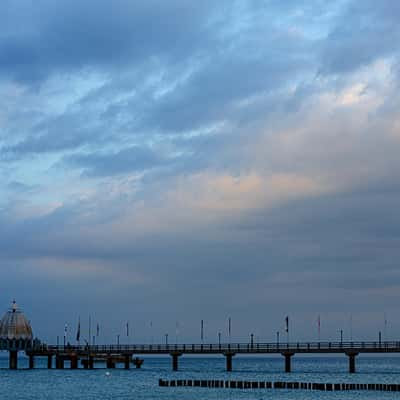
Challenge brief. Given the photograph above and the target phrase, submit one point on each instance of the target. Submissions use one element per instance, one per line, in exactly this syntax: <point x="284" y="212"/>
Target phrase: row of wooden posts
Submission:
<point x="384" y="387"/>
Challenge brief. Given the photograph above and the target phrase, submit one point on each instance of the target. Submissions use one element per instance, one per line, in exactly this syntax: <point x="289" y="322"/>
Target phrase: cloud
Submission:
<point x="356" y="40"/>
<point x="219" y="157"/>
<point x="127" y="160"/>
<point x="76" y="35"/>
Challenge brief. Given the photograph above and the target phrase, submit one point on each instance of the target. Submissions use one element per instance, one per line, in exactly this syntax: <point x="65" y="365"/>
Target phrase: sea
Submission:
<point x="103" y="384"/>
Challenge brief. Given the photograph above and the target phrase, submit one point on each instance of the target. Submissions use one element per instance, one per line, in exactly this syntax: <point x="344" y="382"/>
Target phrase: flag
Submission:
<point x="97" y="329"/>
<point x="287" y="325"/>
<point x="78" y="332"/>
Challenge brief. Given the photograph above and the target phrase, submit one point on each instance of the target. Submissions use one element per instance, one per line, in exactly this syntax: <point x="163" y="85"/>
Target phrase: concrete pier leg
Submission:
<point x="352" y="362"/>
<point x="175" y="361"/>
<point x="13" y="359"/>
<point x="288" y="361"/>
<point x="59" y="362"/>
<point x="31" y="362"/>
<point x="229" y="361"/>
<point x="127" y="362"/>
<point x="138" y="362"/>
<point x="49" y="362"/>
<point x="110" y="363"/>
<point x="74" y="362"/>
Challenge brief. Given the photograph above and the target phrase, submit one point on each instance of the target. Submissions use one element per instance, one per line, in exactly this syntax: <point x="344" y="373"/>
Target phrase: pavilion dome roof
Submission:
<point x="14" y="325"/>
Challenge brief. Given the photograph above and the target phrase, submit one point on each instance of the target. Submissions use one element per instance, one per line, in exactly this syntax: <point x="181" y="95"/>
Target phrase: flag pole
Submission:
<point x="90" y="329"/>
<point x="287" y="329"/>
<point x="78" y="332"/>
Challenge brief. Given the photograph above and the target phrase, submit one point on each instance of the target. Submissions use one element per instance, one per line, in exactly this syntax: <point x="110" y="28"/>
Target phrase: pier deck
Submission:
<point x="129" y="353"/>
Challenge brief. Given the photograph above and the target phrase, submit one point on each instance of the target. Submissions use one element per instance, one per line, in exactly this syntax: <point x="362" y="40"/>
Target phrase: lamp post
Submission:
<point x="252" y="340"/>
<point x="166" y="339"/>
<point x="277" y="338"/>
<point x="219" y="339"/>
<point x="341" y="336"/>
<point x="118" y="339"/>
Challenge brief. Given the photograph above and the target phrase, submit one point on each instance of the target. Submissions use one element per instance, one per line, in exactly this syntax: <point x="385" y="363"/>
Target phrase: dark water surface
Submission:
<point x="101" y="383"/>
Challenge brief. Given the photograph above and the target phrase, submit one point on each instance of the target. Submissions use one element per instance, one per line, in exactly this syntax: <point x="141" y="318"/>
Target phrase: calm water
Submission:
<point x="41" y="383"/>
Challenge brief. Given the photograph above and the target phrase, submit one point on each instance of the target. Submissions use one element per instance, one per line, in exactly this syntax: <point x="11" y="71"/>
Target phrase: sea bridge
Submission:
<point x="16" y="336"/>
<point x="88" y="355"/>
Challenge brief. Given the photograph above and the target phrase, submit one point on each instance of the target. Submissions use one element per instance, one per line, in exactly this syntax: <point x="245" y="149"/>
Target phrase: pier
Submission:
<point x="131" y="354"/>
<point x="16" y="336"/>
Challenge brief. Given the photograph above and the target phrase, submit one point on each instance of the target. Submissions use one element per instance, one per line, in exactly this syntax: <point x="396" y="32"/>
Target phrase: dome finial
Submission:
<point x="14" y="306"/>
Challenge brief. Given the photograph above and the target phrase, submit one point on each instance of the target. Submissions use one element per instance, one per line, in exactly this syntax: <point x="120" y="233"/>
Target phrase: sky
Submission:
<point x="167" y="162"/>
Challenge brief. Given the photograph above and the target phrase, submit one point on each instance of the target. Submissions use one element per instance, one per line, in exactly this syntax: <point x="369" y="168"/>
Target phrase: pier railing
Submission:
<point x="236" y="348"/>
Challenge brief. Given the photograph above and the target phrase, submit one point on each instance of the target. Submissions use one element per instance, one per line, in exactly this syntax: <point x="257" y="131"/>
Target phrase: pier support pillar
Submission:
<point x="288" y="361"/>
<point x="110" y="363"/>
<point x="91" y="362"/>
<point x="175" y="361"/>
<point x="49" y="362"/>
<point x="59" y="362"/>
<point x="138" y="362"/>
<point x="31" y="362"/>
<point x="352" y="362"/>
<point x="127" y="362"/>
<point x="74" y="362"/>
<point x="229" y="361"/>
<point x="13" y="359"/>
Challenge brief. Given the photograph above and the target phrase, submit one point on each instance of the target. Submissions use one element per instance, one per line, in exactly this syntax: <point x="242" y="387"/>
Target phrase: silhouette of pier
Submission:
<point x="130" y="354"/>
<point x="16" y="335"/>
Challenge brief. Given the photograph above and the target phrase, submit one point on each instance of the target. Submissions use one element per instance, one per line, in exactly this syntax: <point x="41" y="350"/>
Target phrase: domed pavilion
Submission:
<point x="15" y="333"/>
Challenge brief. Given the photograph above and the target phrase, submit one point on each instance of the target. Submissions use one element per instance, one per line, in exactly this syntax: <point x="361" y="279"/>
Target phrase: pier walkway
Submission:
<point x="127" y="354"/>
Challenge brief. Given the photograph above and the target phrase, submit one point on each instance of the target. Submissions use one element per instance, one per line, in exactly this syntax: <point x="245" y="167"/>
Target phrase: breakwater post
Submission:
<point x="382" y="387"/>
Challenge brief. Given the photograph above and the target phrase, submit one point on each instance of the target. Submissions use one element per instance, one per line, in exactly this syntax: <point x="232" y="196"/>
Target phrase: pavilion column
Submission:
<point x="31" y="361"/>
<point x="13" y="359"/>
